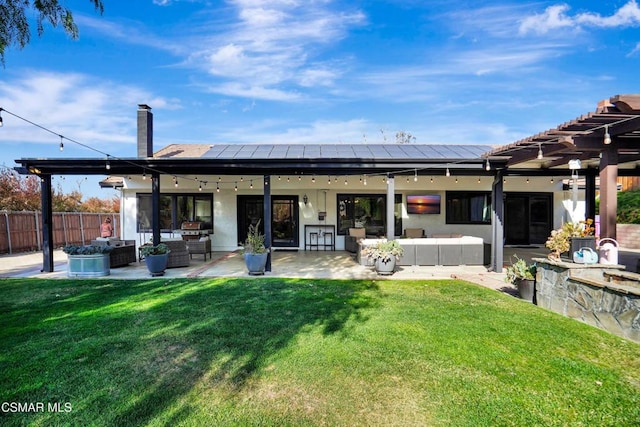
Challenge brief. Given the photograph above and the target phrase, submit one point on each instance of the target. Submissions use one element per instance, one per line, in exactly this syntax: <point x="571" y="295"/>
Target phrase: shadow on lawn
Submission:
<point x="167" y="337"/>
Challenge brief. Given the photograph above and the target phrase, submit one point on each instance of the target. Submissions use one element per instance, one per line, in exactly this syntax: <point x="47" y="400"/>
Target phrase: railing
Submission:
<point x="22" y="231"/>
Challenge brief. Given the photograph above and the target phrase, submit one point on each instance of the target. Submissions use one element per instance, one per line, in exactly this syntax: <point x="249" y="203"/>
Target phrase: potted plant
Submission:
<point x="88" y="260"/>
<point x="571" y="237"/>
<point x="255" y="252"/>
<point x="384" y="255"/>
<point x="155" y="257"/>
<point x="522" y="276"/>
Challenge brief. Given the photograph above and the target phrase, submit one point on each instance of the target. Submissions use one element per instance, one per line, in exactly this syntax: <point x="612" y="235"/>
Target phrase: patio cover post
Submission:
<point x="590" y="195"/>
<point x="47" y="223"/>
<point x="608" y="191"/>
<point x="155" y="207"/>
<point x="391" y="221"/>
<point x="267" y="219"/>
<point x="497" y="224"/>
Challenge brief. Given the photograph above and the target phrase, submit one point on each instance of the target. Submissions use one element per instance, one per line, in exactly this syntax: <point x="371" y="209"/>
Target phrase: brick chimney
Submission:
<point x="145" y="131"/>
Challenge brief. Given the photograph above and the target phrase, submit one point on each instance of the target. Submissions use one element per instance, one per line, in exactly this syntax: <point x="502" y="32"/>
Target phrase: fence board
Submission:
<point x="22" y="231"/>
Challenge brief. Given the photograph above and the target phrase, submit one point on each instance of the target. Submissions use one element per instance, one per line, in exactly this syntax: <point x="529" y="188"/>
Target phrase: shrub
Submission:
<point x="87" y="249"/>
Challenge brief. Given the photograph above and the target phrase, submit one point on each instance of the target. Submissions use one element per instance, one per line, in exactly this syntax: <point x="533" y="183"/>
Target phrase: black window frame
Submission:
<point x="451" y="196"/>
<point x="170" y="203"/>
<point x="343" y="208"/>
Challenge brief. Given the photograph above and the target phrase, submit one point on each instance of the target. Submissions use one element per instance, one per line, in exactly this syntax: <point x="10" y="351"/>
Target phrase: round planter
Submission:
<point x="156" y="264"/>
<point x="96" y="265"/>
<point x="526" y="289"/>
<point x="385" y="268"/>
<point x="255" y="263"/>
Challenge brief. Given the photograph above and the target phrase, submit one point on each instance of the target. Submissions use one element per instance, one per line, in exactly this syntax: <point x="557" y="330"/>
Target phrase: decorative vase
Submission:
<point x="95" y="265"/>
<point x="526" y="289"/>
<point x="256" y="263"/>
<point x="385" y="268"/>
<point x="156" y="264"/>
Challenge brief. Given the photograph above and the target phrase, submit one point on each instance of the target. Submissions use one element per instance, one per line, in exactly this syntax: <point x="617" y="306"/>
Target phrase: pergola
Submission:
<point x="606" y="142"/>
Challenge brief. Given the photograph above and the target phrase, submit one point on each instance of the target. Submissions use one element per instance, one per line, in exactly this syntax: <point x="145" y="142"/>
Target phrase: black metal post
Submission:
<point x="47" y="223"/>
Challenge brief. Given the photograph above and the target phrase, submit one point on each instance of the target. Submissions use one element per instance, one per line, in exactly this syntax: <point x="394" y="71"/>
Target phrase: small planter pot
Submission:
<point x="385" y="268"/>
<point x="96" y="265"/>
<point x="526" y="289"/>
<point x="156" y="264"/>
<point x="255" y="263"/>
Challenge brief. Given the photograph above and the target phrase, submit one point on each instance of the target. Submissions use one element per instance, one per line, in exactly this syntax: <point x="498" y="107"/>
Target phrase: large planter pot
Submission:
<point x="96" y="265"/>
<point x="255" y="263"/>
<point x="576" y="243"/>
<point x="526" y="289"/>
<point x="385" y="268"/>
<point x="156" y="264"/>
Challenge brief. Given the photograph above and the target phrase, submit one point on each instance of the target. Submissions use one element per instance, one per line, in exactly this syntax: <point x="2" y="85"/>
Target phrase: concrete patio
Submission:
<point x="300" y="264"/>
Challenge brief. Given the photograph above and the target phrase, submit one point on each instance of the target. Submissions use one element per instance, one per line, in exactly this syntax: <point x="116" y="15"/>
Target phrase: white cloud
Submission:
<point x="76" y="106"/>
<point x="556" y="17"/>
<point x="272" y="48"/>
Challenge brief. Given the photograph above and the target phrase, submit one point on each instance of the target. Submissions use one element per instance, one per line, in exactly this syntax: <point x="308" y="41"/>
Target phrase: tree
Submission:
<point x="14" y="25"/>
<point x="403" y="137"/>
<point x="19" y="193"/>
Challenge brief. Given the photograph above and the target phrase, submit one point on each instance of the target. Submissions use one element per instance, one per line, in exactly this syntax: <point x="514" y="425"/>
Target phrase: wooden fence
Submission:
<point x="22" y="231"/>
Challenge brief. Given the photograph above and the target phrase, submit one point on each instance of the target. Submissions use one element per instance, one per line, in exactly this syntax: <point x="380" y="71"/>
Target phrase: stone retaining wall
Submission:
<point x="600" y="295"/>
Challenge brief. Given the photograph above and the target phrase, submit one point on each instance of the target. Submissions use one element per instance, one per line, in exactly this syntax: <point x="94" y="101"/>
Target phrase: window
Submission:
<point x="468" y="207"/>
<point x="176" y="209"/>
<point x="368" y="211"/>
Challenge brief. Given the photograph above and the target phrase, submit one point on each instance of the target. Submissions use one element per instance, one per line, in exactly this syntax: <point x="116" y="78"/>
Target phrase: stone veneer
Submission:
<point x="601" y="295"/>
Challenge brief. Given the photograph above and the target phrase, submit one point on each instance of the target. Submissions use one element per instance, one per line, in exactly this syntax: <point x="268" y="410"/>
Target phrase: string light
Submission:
<point x="251" y="184"/>
<point x="415" y="176"/>
<point x="61" y="144"/>
<point x="447" y="173"/>
<point x="365" y="180"/>
<point x="217" y="187"/>
<point x="607" y="137"/>
<point x="107" y="165"/>
<point x="540" y="153"/>
<point x="431" y="180"/>
<point x="487" y="166"/>
<point x="144" y="175"/>
<point x="200" y="187"/>
<point x="236" y="186"/>
<point x="551" y="180"/>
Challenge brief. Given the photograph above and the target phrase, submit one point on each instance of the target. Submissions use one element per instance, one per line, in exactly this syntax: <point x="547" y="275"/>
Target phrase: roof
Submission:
<point x="259" y="159"/>
<point x="323" y="151"/>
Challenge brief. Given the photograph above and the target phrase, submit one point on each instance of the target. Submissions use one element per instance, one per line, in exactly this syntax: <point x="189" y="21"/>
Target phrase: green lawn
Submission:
<point x="304" y="352"/>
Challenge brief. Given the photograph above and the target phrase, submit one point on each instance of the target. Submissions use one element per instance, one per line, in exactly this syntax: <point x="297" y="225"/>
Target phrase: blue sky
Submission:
<point x="306" y="71"/>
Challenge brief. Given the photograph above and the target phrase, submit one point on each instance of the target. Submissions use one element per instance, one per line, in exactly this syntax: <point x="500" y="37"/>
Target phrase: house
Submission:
<point x="511" y="194"/>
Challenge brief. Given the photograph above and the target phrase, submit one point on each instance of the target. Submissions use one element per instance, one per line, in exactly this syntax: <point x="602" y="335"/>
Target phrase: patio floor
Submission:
<point x="300" y="264"/>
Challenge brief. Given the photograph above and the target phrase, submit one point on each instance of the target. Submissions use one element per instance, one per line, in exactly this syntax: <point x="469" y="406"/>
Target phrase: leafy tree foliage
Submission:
<point x="22" y="193"/>
<point x="18" y="193"/>
<point x="14" y="23"/>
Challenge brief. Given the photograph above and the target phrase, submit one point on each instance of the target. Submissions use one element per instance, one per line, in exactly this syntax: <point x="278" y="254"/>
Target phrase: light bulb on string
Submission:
<point x="415" y="176"/>
<point x="217" y="188"/>
<point x="447" y="173"/>
<point x="61" y="144"/>
<point x="236" y="186"/>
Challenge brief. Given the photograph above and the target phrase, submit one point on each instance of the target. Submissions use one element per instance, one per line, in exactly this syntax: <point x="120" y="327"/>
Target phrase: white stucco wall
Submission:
<point x="323" y="197"/>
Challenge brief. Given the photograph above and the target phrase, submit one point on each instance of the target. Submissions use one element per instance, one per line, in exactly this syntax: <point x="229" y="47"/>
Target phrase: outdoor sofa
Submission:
<point x="438" y="249"/>
<point x="123" y="252"/>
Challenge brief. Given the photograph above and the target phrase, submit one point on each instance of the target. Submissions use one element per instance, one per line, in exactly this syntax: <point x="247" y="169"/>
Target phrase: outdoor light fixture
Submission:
<point x="217" y="188"/>
<point x="107" y="165"/>
<point x="144" y="175"/>
<point x="305" y="199"/>
<point x="607" y="137"/>
<point x="447" y="173"/>
<point x="365" y="180"/>
<point x="200" y="187"/>
<point x="540" y="153"/>
<point x="61" y="144"/>
<point x="236" y="186"/>
<point x="251" y="184"/>
<point x="487" y="166"/>
<point x="415" y="176"/>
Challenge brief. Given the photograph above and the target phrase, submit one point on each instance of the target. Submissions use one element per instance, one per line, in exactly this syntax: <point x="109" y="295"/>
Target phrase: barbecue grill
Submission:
<point x="192" y="230"/>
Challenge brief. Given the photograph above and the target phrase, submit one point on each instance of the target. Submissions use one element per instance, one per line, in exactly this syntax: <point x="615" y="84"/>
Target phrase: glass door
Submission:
<point x="284" y="219"/>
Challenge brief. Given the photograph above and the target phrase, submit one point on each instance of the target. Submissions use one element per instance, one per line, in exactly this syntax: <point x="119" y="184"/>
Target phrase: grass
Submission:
<point x="273" y="352"/>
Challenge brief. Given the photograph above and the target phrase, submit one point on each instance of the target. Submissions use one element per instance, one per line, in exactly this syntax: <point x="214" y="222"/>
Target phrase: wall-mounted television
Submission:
<point x="425" y="204"/>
